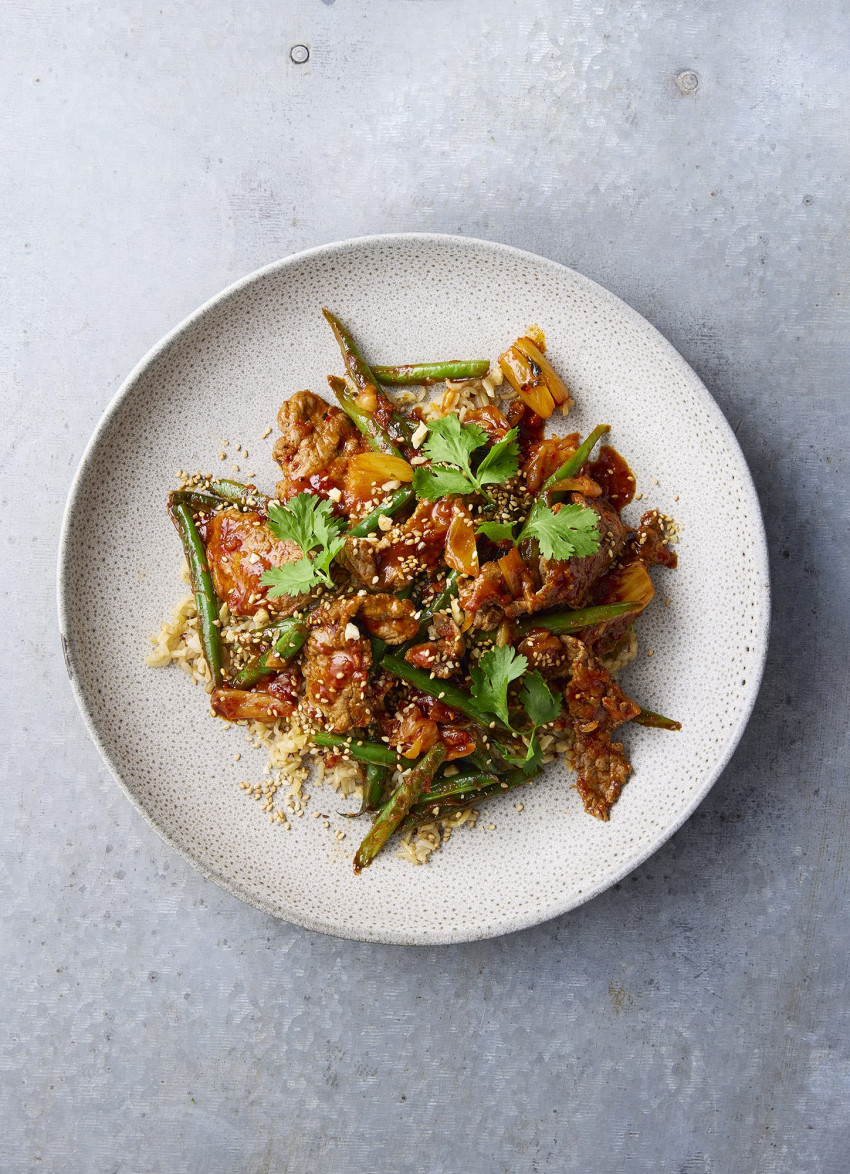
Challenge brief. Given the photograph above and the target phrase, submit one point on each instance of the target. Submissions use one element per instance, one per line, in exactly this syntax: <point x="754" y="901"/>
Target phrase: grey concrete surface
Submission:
<point x="695" y="1019"/>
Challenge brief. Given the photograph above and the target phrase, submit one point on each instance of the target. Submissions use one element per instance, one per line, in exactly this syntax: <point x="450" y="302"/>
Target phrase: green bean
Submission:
<point x="574" y="621"/>
<point x="373" y="791"/>
<point x="357" y="748"/>
<point x="427" y="613"/>
<point x="289" y="640"/>
<point x="378" y="439"/>
<point x="237" y="493"/>
<point x="206" y="601"/>
<point x="656" y="721"/>
<point x="425" y="811"/>
<point x="442" y="690"/>
<point x="401" y="429"/>
<point x="355" y="364"/>
<point x="432" y="372"/>
<point x="198" y="502"/>
<point x="213" y="494"/>
<point x="397" y="807"/>
<point x="573" y="464"/>
<point x="459" y="784"/>
<point x="369" y="524"/>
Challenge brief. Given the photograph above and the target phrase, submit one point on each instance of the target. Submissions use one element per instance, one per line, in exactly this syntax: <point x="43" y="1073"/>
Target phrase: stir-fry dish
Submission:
<point x="434" y="602"/>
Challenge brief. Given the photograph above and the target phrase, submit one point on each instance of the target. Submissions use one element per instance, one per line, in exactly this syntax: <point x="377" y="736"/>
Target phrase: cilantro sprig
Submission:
<point x="450" y="445"/>
<point x="309" y="522"/>
<point x="491" y="678"/>
<point x="542" y="707"/>
<point x="572" y="531"/>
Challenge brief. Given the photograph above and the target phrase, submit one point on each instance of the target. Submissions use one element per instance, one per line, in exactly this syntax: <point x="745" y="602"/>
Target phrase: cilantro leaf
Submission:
<point x="290" y="579"/>
<point x="309" y="522"/>
<point x="497" y="531"/>
<point x="293" y="521"/>
<point x="500" y="462"/>
<point x="573" y="530"/>
<point x="541" y="704"/>
<point x="450" y="445"/>
<point x="438" y="481"/>
<point x="533" y="759"/>
<point x="450" y="441"/>
<point x="490" y="679"/>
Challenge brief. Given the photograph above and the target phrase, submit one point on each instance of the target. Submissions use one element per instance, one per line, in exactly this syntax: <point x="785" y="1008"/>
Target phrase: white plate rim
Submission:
<point x="511" y="924"/>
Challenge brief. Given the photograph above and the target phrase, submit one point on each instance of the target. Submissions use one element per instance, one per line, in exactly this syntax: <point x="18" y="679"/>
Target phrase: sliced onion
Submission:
<point x="557" y="388"/>
<point x="527" y="382"/>
<point x="368" y="469"/>
<point x="461" y="552"/>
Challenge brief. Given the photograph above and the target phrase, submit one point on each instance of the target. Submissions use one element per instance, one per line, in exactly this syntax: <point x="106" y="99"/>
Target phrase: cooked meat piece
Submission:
<point x="336" y="664"/>
<point x="523" y="583"/>
<point x="316" y="440"/>
<point x="594" y="699"/>
<point x="545" y="651"/>
<point x="650" y="542"/>
<point x="388" y="618"/>
<point x="441" y="655"/>
<point x="277" y="699"/>
<point x="569" y="580"/>
<point x="239" y="548"/>
<point x="449" y="636"/>
<point x="484" y="599"/>
<point x="360" y="557"/>
<point x="602" y="770"/>
<point x="395" y="559"/>
<point x="596" y="705"/>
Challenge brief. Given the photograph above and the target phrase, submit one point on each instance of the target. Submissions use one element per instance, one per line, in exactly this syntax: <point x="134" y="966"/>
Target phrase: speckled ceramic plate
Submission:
<point x="223" y="374"/>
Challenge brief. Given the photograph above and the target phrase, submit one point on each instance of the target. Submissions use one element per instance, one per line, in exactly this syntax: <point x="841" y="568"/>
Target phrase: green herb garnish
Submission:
<point x="542" y="706"/>
<point x="450" y="446"/>
<point x="308" y="522"/>
<point x="490" y="679"/>
<point x="573" y="530"/>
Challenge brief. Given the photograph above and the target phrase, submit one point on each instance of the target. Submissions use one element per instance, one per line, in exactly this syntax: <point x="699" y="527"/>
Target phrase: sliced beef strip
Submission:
<point x="441" y="656"/>
<point x="316" y="439"/>
<point x="278" y="698"/>
<point x="239" y="548"/>
<point x="388" y="618"/>
<point x="596" y="705"/>
<point x="522" y="582"/>
<point x="335" y="665"/>
<point x="594" y="699"/>
<point x="391" y="562"/>
<point x="546" y="652"/>
<point x="651" y="543"/>
<point x="569" y="581"/>
<point x="602" y="770"/>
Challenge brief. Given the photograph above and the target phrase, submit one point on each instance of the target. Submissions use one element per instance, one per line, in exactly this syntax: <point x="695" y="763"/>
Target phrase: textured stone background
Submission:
<point x="695" y="1019"/>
